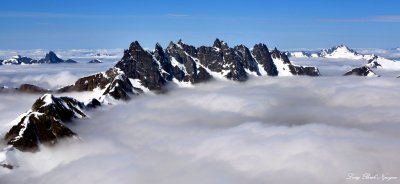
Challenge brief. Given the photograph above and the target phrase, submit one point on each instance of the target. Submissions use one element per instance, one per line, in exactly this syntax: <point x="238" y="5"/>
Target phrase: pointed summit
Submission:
<point x="217" y="43"/>
<point x="158" y="46"/>
<point x="135" y="46"/>
<point x="340" y="51"/>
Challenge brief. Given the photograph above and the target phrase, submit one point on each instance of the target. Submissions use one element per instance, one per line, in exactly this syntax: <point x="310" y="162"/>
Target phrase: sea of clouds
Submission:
<point x="81" y="55"/>
<point x="49" y="76"/>
<point x="267" y="130"/>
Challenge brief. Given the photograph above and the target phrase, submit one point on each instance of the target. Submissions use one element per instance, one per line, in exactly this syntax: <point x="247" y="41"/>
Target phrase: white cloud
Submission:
<point x="48" y="75"/>
<point x="268" y="130"/>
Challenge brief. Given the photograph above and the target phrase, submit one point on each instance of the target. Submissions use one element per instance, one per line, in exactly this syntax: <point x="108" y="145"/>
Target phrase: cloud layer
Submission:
<point x="48" y="75"/>
<point x="268" y="130"/>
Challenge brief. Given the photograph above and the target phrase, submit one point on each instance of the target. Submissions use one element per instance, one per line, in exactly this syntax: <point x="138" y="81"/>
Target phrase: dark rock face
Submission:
<point x="139" y="64"/>
<point x="263" y="56"/>
<point x="18" y="60"/>
<point x="300" y="70"/>
<point x="224" y="60"/>
<point x="24" y="88"/>
<point x="36" y="128"/>
<point x="52" y="58"/>
<point x="95" y="61"/>
<point x="63" y="108"/>
<point x="114" y="81"/>
<point x="94" y="103"/>
<point x="294" y="69"/>
<point x="70" y="61"/>
<point x="362" y="71"/>
<point x="164" y="62"/>
<point x="231" y="62"/>
<point x="276" y="54"/>
<point x="184" y="67"/>
<point x="248" y="61"/>
<point x="29" y="88"/>
<point x="43" y="124"/>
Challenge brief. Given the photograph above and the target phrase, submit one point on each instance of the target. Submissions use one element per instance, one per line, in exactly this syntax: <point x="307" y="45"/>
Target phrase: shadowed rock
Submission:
<point x="263" y="57"/>
<point x="95" y="61"/>
<point x="29" y="88"/>
<point x="52" y="58"/>
<point x="113" y="82"/>
<point x="43" y="124"/>
<point x="362" y="71"/>
<point x="139" y="64"/>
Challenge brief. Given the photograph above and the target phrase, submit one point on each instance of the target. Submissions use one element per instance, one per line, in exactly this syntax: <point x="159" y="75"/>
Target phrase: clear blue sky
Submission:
<point x="67" y="24"/>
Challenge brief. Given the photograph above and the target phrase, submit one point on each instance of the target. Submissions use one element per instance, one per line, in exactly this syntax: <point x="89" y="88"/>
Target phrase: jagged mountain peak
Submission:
<point x="44" y="123"/>
<point x="217" y="43"/>
<point x="220" y="44"/>
<point x="340" y="49"/>
<point x="158" y="46"/>
<point x="260" y="45"/>
<point x="51" y="56"/>
<point x="135" y="47"/>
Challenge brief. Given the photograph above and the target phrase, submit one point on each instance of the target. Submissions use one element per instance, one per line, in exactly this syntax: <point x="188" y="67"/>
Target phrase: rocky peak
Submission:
<point x="63" y="108"/>
<point x="276" y="54"/>
<point x="139" y="64"/>
<point x="263" y="57"/>
<point x="135" y="47"/>
<point x="112" y="83"/>
<point x="158" y="47"/>
<point x="51" y="57"/>
<point x="217" y="43"/>
<point x="220" y="44"/>
<point x="248" y="61"/>
<point x="44" y="123"/>
<point x="362" y="71"/>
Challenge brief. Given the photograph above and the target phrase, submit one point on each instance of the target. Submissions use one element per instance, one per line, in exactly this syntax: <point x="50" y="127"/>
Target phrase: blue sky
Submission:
<point x="67" y="24"/>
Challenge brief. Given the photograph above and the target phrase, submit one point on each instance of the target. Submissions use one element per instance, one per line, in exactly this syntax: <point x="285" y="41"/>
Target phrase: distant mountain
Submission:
<point x="362" y="71"/>
<point x="94" y="61"/>
<point x="18" y="60"/>
<point x="372" y="61"/>
<point x="340" y="52"/>
<point x="50" y="58"/>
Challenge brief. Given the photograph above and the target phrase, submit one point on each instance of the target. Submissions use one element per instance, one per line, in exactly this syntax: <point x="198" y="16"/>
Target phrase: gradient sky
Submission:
<point x="288" y="24"/>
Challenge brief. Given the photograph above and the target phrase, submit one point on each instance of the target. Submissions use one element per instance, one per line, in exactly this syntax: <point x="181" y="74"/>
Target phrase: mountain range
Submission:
<point x="368" y="62"/>
<point x="142" y="71"/>
<point x="50" y="58"/>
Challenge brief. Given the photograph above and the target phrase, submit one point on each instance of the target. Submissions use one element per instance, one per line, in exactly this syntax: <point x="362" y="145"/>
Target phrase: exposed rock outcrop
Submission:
<point x="140" y="64"/>
<point x="95" y="61"/>
<point x="113" y="82"/>
<point x="52" y="58"/>
<point x="44" y="123"/>
<point x="361" y="71"/>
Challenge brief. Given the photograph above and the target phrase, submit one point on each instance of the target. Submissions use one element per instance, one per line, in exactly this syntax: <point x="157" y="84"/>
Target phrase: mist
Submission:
<point x="267" y="130"/>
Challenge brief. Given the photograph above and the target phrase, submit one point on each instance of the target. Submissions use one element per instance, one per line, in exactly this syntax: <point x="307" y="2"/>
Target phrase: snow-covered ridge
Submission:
<point x="346" y="53"/>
